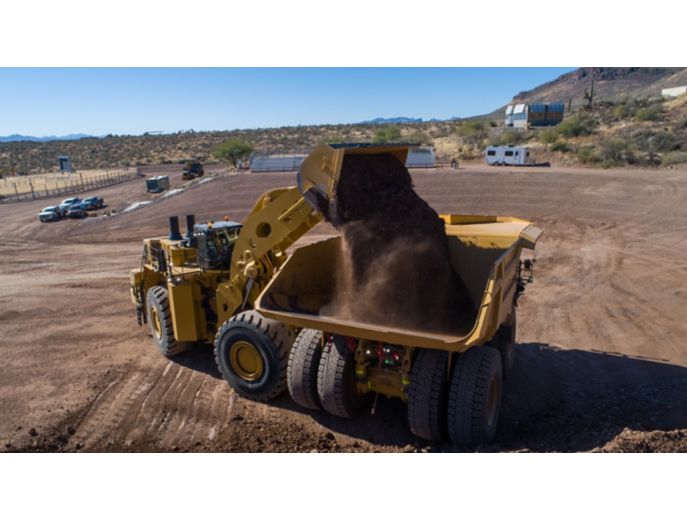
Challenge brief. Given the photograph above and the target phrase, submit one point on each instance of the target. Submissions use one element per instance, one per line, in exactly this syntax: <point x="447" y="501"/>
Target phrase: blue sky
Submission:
<point x="135" y="100"/>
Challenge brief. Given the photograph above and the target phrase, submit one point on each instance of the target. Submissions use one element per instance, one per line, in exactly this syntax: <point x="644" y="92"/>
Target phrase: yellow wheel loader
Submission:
<point x="233" y="285"/>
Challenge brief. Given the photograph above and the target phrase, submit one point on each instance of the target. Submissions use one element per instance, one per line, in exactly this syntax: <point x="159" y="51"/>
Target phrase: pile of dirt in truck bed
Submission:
<point x="394" y="266"/>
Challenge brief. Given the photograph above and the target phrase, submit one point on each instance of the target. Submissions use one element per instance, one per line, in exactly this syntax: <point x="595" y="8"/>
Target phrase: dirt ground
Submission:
<point x="601" y="354"/>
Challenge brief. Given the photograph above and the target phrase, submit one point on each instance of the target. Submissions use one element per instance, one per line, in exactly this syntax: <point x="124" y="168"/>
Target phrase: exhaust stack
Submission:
<point x="190" y="222"/>
<point x="174" y="233"/>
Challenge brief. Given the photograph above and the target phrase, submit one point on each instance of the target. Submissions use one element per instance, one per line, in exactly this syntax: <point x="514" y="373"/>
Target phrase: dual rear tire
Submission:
<point x="321" y="375"/>
<point x="463" y="408"/>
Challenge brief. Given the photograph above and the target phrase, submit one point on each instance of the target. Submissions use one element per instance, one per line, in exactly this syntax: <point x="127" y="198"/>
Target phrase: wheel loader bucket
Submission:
<point x="319" y="173"/>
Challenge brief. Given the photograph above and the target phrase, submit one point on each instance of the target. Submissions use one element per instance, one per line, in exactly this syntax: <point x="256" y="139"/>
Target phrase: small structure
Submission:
<point x="65" y="164"/>
<point x="266" y="163"/>
<point x="421" y="158"/>
<point x="507" y="155"/>
<point x="157" y="184"/>
<point x="674" y="92"/>
<point x="535" y="114"/>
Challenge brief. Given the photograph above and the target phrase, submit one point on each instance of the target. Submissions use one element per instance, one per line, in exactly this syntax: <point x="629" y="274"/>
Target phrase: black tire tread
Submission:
<point x="278" y="333"/>
<point x="168" y="345"/>
<point x="468" y="395"/>
<point x="332" y="385"/>
<point x="303" y="367"/>
<point x="427" y="395"/>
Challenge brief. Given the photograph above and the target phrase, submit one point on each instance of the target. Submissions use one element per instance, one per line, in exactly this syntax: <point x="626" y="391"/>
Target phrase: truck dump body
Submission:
<point x="484" y="253"/>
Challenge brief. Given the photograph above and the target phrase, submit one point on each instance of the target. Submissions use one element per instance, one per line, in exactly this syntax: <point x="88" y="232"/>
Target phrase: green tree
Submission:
<point x="387" y="134"/>
<point x="233" y="150"/>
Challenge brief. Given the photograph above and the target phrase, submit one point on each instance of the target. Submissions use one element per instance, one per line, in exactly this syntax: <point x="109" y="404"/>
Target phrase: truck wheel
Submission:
<point x="427" y="395"/>
<point x="336" y="380"/>
<point x="251" y="353"/>
<point x="302" y="368"/>
<point x="160" y="323"/>
<point x="474" y="397"/>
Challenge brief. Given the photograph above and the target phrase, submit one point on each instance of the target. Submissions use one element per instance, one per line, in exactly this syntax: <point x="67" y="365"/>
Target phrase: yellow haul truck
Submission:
<point x="233" y="283"/>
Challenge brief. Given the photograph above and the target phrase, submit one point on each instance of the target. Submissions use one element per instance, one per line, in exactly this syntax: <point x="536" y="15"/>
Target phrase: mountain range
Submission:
<point x="71" y="137"/>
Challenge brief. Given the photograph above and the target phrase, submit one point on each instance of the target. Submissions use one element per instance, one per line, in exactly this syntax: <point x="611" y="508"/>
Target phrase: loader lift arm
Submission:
<point x="278" y="219"/>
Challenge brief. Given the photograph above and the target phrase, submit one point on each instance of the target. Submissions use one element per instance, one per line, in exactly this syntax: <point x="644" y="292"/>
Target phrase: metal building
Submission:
<point x="65" y="164"/>
<point x="265" y="163"/>
<point x="421" y="158"/>
<point x="417" y="158"/>
<point x="534" y="114"/>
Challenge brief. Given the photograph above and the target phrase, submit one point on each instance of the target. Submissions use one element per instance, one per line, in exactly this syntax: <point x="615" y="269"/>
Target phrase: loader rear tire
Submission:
<point x="251" y="353"/>
<point x="336" y="380"/>
<point x="302" y="368"/>
<point x="428" y="395"/>
<point x="160" y="323"/>
<point x="474" y="398"/>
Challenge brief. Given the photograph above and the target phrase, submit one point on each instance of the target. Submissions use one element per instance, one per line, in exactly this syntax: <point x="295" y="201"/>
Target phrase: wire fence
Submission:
<point x="35" y="187"/>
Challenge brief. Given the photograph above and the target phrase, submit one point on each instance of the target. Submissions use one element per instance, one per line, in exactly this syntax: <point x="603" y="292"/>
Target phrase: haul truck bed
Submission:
<point x="485" y="253"/>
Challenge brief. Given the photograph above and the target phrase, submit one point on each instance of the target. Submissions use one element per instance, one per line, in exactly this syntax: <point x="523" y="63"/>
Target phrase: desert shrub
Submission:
<point x="418" y="138"/>
<point x="472" y="132"/>
<point x="674" y="157"/>
<point x="509" y="137"/>
<point x="616" y="151"/>
<point x="576" y="125"/>
<point x="548" y="136"/>
<point x="651" y="113"/>
<point x="493" y="124"/>
<point x="561" y="146"/>
<point x="387" y="134"/>
<point x="587" y="155"/>
<point x="622" y="111"/>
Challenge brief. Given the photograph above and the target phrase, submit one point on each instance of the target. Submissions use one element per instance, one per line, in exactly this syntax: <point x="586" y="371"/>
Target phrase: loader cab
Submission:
<point x="215" y="243"/>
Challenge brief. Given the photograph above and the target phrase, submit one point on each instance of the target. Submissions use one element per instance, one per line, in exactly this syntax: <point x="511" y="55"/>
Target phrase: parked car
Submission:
<point x="76" y="211"/>
<point x="92" y="202"/>
<point x="67" y="203"/>
<point x="50" y="214"/>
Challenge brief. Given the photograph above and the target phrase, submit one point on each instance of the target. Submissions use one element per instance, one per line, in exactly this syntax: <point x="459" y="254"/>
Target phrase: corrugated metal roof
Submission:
<point x="417" y="158"/>
<point x="264" y="163"/>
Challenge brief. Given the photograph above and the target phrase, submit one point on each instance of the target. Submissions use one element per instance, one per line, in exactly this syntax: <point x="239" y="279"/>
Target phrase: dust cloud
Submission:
<point x="394" y="265"/>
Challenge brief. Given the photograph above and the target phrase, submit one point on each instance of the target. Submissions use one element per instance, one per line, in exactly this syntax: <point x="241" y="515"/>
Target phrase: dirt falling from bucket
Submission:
<point x="394" y="261"/>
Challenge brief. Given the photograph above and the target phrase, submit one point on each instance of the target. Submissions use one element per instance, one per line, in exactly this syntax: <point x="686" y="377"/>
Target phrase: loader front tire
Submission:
<point x="251" y="353"/>
<point x="428" y="395"/>
<point x="474" y="398"/>
<point x="160" y="323"/>
<point x="336" y="380"/>
<point x="302" y="368"/>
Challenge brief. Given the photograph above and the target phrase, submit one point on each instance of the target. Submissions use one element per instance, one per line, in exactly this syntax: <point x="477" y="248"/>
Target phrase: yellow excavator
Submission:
<point x="233" y="285"/>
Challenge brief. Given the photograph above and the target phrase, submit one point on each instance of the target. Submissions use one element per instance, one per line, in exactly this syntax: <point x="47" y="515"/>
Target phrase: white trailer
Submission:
<point x="507" y="155"/>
